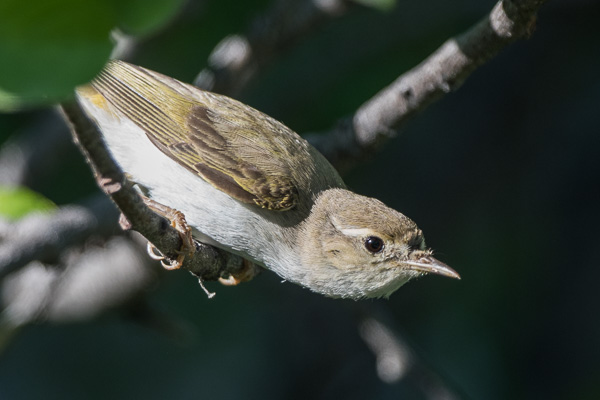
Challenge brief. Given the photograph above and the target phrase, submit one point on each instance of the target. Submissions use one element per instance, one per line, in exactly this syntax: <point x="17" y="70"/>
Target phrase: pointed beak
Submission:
<point x="430" y="265"/>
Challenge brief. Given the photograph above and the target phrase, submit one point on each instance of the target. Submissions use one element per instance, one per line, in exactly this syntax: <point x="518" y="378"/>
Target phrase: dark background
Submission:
<point x="503" y="176"/>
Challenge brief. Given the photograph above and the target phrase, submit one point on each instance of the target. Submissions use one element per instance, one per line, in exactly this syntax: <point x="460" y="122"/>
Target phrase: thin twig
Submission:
<point x="82" y="284"/>
<point x="238" y="58"/>
<point x="43" y="236"/>
<point x="445" y="70"/>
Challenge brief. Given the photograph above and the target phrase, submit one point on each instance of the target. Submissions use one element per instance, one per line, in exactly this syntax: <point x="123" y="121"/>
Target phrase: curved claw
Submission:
<point x="173" y="264"/>
<point x="248" y="271"/>
<point x="155" y="254"/>
<point x="152" y="252"/>
<point x="229" y="281"/>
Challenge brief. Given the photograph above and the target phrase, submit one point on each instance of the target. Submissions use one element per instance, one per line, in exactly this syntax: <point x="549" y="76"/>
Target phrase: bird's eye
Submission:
<point x="374" y="244"/>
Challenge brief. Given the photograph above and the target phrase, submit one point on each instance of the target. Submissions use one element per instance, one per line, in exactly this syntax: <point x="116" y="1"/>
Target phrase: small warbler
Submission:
<point x="249" y="185"/>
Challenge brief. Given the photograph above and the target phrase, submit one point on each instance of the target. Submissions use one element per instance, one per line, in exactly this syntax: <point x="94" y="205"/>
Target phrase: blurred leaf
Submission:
<point x="16" y="202"/>
<point x="382" y="5"/>
<point x="8" y="101"/>
<point x="141" y="17"/>
<point x="47" y="47"/>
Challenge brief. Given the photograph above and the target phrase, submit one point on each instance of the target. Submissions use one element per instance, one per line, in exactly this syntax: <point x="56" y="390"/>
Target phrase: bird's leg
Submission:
<point x="178" y="222"/>
<point x="248" y="271"/>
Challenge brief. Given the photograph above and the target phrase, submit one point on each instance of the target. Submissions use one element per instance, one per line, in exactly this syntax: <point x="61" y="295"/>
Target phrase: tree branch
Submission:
<point x="379" y="119"/>
<point x="80" y="285"/>
<point x="237" y="59"/>
<point x="207" y="263"/>
<point x="43" y="236"/>
<point x="396" y="359"/>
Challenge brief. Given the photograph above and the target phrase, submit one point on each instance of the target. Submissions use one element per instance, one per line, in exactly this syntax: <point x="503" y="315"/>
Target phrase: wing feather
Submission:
<point x="227" y="143"/>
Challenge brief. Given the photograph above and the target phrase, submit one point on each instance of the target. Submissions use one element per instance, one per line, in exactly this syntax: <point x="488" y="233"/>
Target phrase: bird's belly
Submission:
<point x="216" y="218"/>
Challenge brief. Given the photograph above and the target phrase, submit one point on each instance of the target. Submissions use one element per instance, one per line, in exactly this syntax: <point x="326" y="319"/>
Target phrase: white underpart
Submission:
<point x="216" y="218"/>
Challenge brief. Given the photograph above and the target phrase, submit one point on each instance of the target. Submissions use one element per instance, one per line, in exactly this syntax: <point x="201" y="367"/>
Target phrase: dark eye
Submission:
<point x="374" y="244"/>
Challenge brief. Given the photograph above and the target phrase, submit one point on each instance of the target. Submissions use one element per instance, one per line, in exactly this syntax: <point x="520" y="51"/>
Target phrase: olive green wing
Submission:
<point x="227" y="143"/>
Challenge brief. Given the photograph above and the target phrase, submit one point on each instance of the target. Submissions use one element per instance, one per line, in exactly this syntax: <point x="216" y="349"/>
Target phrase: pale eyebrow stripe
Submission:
<point x="357" y="231"/>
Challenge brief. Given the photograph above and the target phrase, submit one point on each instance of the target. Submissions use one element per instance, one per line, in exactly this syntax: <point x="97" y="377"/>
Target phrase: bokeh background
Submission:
<point x="503" y="176"/>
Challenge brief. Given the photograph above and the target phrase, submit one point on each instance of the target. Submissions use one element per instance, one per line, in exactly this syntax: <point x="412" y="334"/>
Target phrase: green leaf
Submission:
<point x="48" y="47"/>
<point x="143" y="17"/>
<point x="9" y="101"/>
<point x="16" y="202"/>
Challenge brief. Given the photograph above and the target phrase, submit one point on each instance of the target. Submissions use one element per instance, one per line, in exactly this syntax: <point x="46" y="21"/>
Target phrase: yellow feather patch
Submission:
<point x="94" y="97"/>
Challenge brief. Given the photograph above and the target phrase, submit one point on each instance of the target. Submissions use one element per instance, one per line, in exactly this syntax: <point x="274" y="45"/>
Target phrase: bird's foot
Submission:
<point x="178" y="222"/>
<point x="248" y="271"/>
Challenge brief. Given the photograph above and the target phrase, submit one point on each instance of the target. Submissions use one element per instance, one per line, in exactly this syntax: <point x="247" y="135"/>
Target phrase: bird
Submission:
<point x="246" y="183"/>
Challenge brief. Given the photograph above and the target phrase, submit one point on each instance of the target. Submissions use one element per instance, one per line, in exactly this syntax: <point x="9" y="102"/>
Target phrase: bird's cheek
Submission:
<point x="334" y="248"/>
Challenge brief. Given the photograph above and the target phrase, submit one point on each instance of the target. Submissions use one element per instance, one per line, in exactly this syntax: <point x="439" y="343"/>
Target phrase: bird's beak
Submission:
<point x="430" y="265"/>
